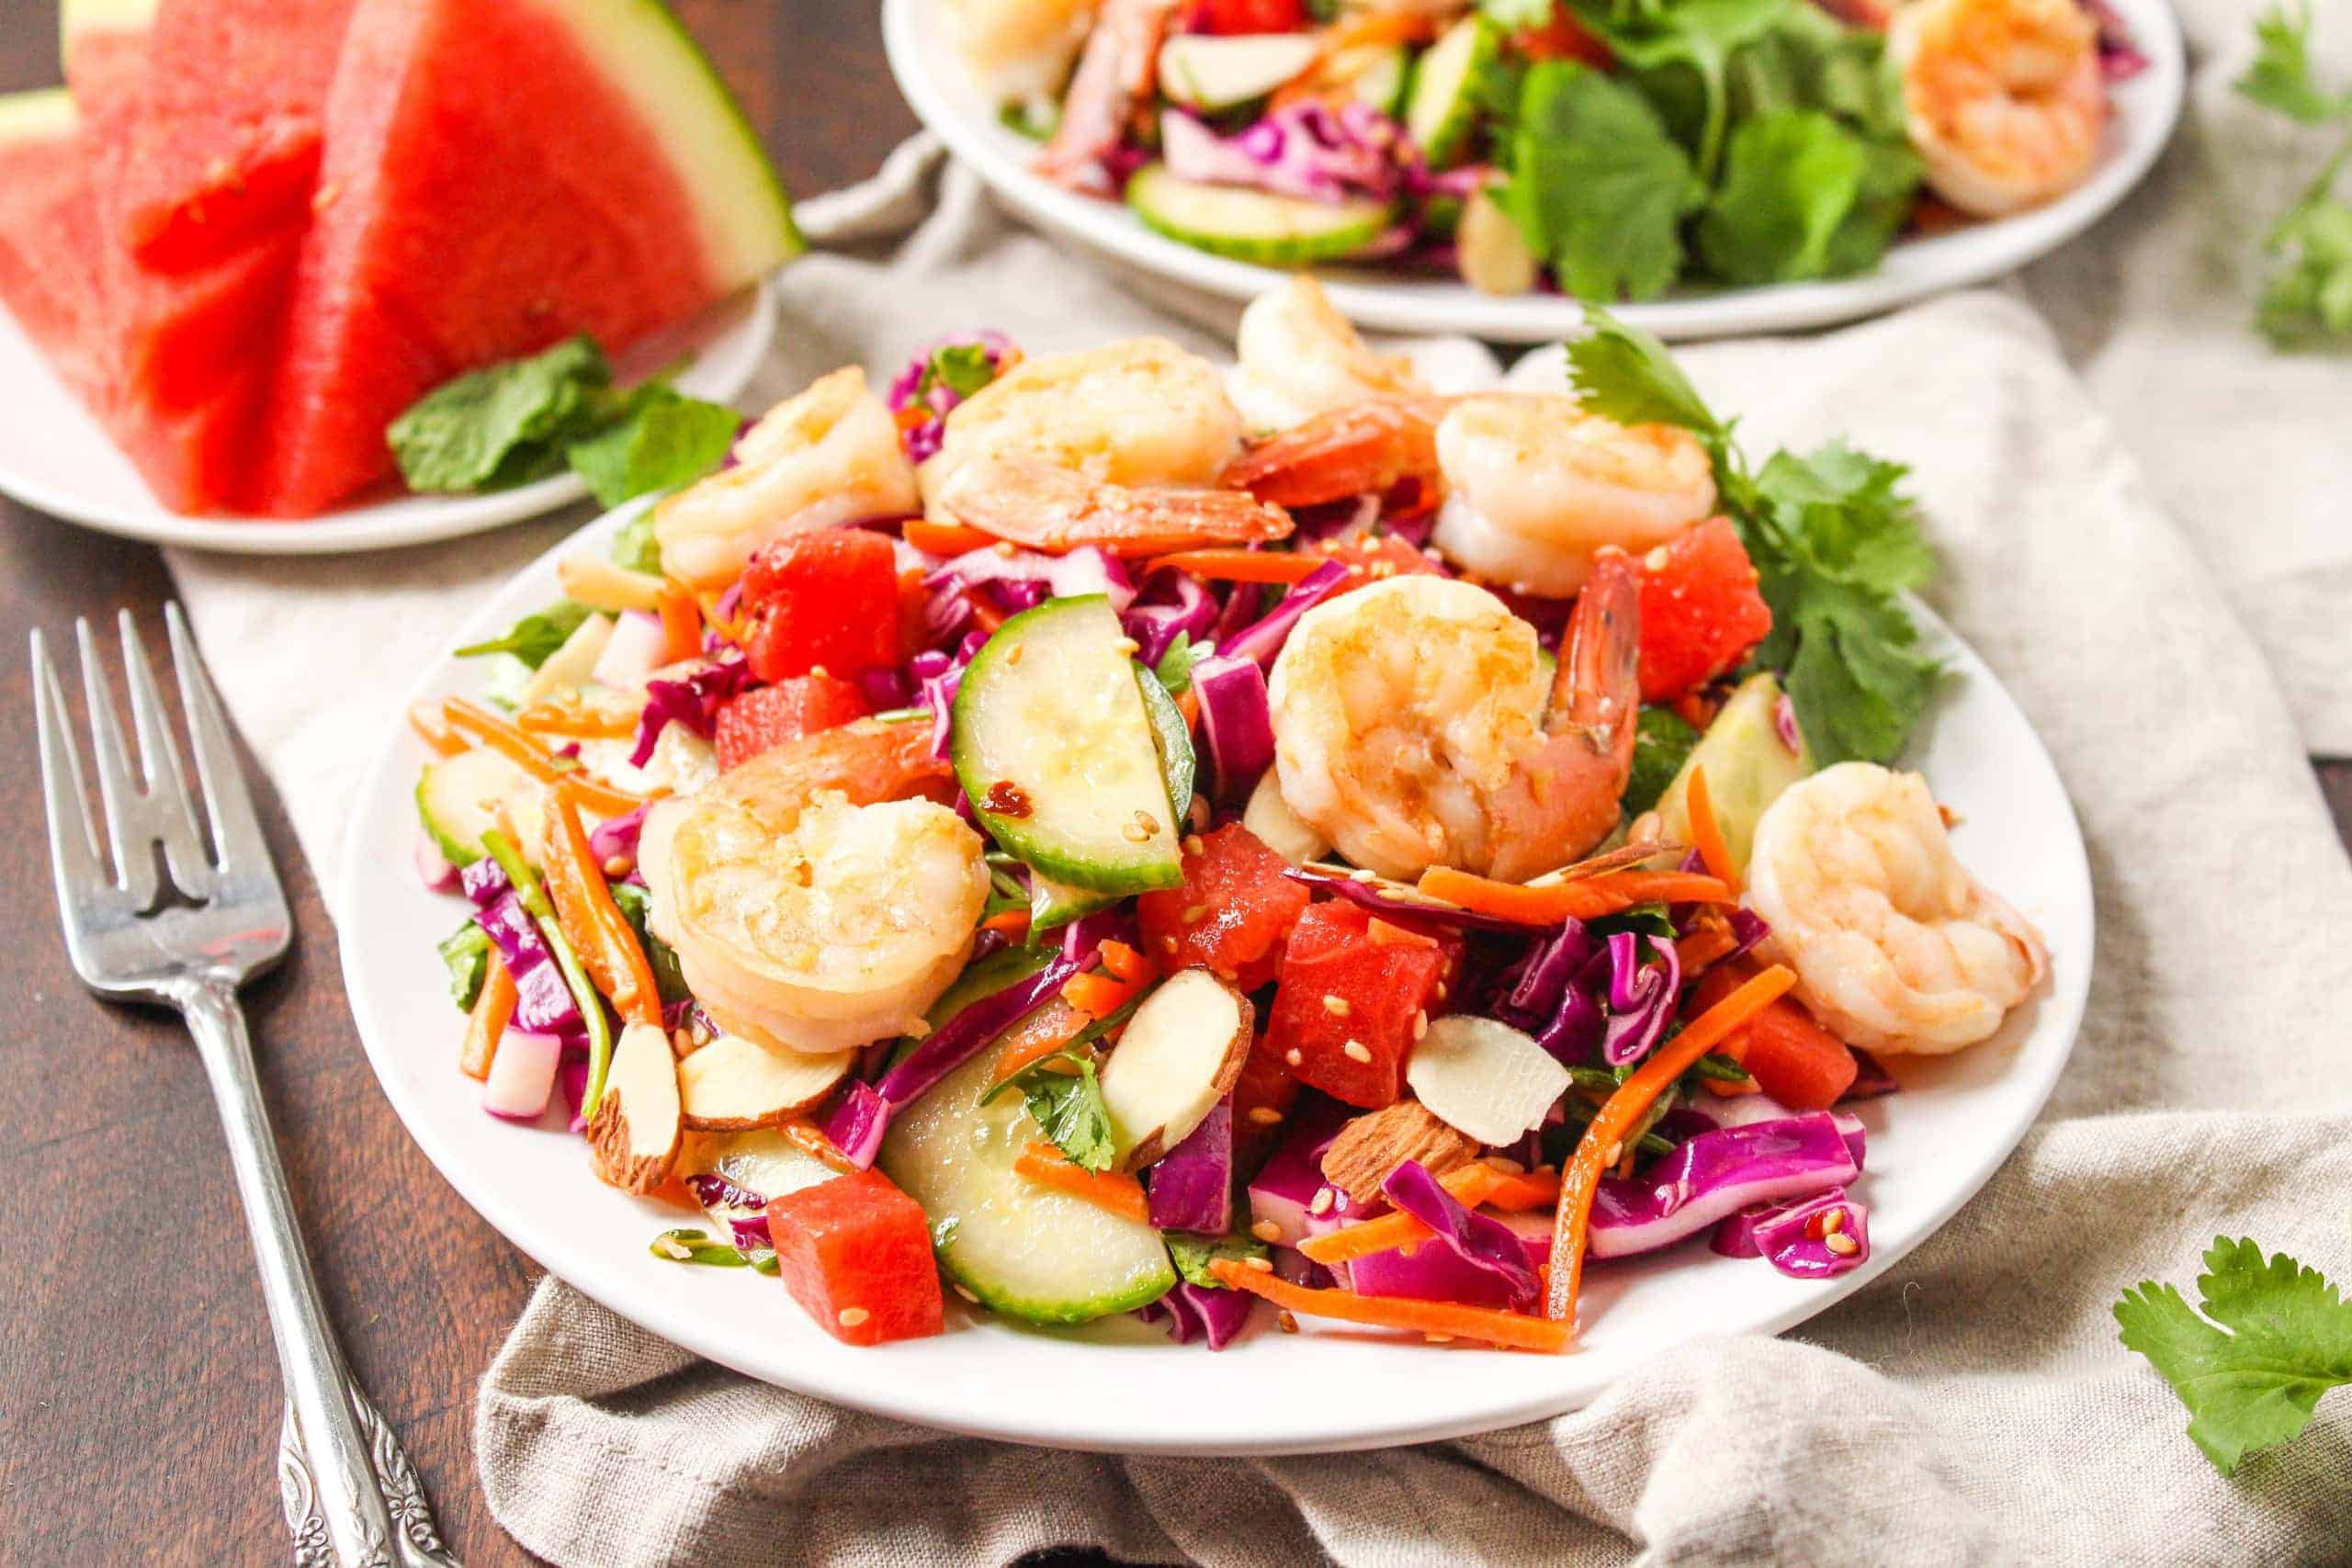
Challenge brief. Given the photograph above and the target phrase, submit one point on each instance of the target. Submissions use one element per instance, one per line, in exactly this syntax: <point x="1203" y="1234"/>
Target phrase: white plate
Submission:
<point x="55" y="458"/>
<point x="1930" y="1147"/>
<point x="936" y="84"/>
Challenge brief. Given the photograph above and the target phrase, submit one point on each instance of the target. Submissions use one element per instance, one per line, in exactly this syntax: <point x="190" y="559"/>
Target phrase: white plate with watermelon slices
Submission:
<point x="943" y="95"/>
<point x="1117" y="1385"/>
<point x="55" y="458"/>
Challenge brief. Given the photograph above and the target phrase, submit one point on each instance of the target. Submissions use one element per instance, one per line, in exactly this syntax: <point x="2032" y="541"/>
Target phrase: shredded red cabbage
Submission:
<point x="1397" y="900"/>
<point x="616" y="837"/>
<point x="693" y="702"/>
<point x="1641" y="997"/>
<point x="1200" y="1311"/>
<point x="1262" y="641"/>
<point x="1816" y="1239"/>
<point x="1873" y="1082"/>
<point x="1716" y="1174"/>
<point x="918" y="384"/>
<point x="1236" y="722"/>
<point x="1025" y="579"/>
<point x="1174" y="603"/>
<point x="1191" y="1186"/>
<point x="856" y="1124"/>
<point x="1479" y="1240"/>
<point x="1312" y="149"/>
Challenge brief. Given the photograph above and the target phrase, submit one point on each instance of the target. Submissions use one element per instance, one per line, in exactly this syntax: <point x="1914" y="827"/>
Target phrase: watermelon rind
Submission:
<point x="641" y="48"/>
<point x="78" y="16"/>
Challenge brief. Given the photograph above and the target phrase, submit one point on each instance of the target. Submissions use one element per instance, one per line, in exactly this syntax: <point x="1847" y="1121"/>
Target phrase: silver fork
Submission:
<point x="167" y="917"/>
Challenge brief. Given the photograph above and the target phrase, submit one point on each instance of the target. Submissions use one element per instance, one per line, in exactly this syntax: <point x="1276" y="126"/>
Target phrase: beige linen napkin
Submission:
<point x="1971" y="1405"/>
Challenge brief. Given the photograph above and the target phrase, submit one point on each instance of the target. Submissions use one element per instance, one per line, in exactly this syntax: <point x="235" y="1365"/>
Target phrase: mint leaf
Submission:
<point x="2279" y="76"/>
<point x="1193" y="1254"/>
<point x="661" y="439"/>
<point x="533" y="638"/>
<point x="466" y="952"/>
<point x="2274" y="1337"/>
<point x="498" y="427"/>
<point x="1598" y="187"/>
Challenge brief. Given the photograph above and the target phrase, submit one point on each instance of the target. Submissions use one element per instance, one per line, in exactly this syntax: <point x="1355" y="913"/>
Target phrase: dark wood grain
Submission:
<point x="139" y="1394"/>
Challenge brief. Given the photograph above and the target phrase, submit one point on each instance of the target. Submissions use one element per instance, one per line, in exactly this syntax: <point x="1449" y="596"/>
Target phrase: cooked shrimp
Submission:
<point x="1365" y="448"/>
<point x="1414" y="725"/>
<point x="811" y="905"/>
<point x="1033" y="503"/>
<point x="1136" y="411"/>
<point x="2003" y="98"/>
<point x="1895" y="946"/>
<point x="1300" y="357"/>
<point x="1536" y="487"/>
<point x="1114" y="77"/>
<point x="1019" y="49"/>
<point x="827" y="456"/>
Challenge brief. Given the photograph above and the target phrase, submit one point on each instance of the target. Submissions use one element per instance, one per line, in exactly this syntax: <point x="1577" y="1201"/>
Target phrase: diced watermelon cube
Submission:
<point x="1231" y="915"/>
<point x="826" y="599"/>
<point x="1262" y="1097"/>
<point x="1355" y="992"/>
<point x="855" y="1252"/>
<point x="1701" y="610"/>
<point x="770" y="715"/>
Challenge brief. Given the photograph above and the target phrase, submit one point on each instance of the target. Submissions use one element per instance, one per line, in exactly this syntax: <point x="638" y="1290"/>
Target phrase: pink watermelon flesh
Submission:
<point x="49" y="229"/>
<point x="470" y="209"/>
<point x="225" y="147"/>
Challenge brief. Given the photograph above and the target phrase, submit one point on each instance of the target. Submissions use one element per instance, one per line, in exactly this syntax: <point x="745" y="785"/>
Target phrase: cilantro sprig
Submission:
<point x="2266" y="1339"/>
<point x="1835" y="539"/>
<point x="2307" y="301"/>
<point x="1065" y="1099"/>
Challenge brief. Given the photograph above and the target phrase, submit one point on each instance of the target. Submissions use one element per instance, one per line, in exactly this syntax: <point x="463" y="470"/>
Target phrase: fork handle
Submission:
<point x="343" y="1494"/>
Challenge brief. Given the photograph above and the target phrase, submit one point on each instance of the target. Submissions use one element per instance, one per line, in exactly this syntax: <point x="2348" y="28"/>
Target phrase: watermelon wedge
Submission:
<point x="48" y="231"/>
<point x="498" y="175"/>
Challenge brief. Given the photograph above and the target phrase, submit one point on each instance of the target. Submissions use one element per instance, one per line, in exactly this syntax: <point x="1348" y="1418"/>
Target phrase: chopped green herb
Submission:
<point x="669" y="980"/>
<point x="1067" y="1105"/>
<point x="1597" y="187"/>
<point x="1175" y="666"/>
<point x="534" y="638"/>
<point x="2273" y="1337"/>
<point x="962" y="367"/>
<point x="1660" y="38"/>
<point x="634" y="549"/>
<point x="1663" y="740"/>
<point x="660" y="440"/>
<point x="2307" y="301"/>
<point x="466" y="951"/>
<point x="502" y="427"/>
<point x="695" y="1246"/>
<point x="1193" y="1254"/>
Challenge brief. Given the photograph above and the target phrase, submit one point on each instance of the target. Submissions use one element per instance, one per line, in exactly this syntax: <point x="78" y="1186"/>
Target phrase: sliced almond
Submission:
<point x="1485" y="1079"/>
<point x="1182" y="1051"/>
<point x="635" y="1133"/>
<point x="1369" y="1147"/>
<point x="732" y="1084"/>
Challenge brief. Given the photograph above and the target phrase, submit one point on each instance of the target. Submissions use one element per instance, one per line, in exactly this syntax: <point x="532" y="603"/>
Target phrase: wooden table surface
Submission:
<point x="139" y="1396"/>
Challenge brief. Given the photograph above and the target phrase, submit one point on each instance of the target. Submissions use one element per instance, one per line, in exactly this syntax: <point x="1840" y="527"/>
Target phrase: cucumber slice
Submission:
<point x="762" y="1161"/>
<point x="1053" y="904"/>
<point x="1442" y="106"/>
<point x="1251" y="225"/>
<point x="1375" y="74"/>
<point x="1025" y="1250"/>
<point x="1214" y="71"/>
<point x="1173" y="739"/>
<point x="1747" y="767"/>
<point x="457" y="799"/>
<point x="1056" y="749"/>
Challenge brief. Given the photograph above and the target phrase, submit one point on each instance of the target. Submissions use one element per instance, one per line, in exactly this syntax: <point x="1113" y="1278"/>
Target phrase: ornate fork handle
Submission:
<point x="351" y="1496"/>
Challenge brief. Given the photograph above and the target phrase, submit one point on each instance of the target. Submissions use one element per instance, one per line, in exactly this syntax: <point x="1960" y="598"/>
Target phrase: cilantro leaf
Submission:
<point x="466" y="952"/>
<point x="2279" y="76"/>
<point x="661" y="439"/>
<point x="1662" y="742"/>
<point x="1067" y="1106"/>
<point x="1790" y="179"/>
<point x="1623" y="373"/>
<point x="1598" y="187"/>
<point x="2309" y="302"/>
<point x="502" y="427"/>
<point x="1657" y="37"/>
<point x="1193" y="1254"/>
<point x="962" y="367"/>
<point x="669" y="980"/>
<point x="533" y="638"/>
<point x="2274" y="1337"/>
<point x="1175" y="666"/>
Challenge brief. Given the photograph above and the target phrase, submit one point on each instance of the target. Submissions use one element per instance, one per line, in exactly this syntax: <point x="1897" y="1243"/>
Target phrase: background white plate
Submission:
<point x="936" y="84"/>
<point x="55" y="458"/>
<point x="1930" y="1147"/>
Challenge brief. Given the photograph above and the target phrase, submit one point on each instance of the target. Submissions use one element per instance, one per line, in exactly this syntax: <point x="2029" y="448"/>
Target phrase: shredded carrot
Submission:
<point x="1402" y="25"/>
<point x="1037" y="1036"/>
<point x="1114" y="1191"/>
<point x="1242" y="566"/>
<point x="1550" y="903"/>
<point x="433" y="730"/>
<point x="1448" y="1319"/>
<point x="1613" y="1122"/>
<point x="1097" y="995"/>
<point x="492" y="1010"/>
<point x="1703" y="947"/>
<point x="1706" y="836"/>
<point x="534" y="759"/>
<point x="681" y="623"/>
<point x="1538" y="1189"/>
<point x="717" y="622"/>
<point x="1014" y="923"/>
<point x="944" y="538"/>
<point x="600" y="933"/>
<point x="1189" y="704"/>
<point x="812" y="1141"/>
<point x="575" y="723"/>
<point x="1125" y="963"/>
<point x="1470" y="1185"/>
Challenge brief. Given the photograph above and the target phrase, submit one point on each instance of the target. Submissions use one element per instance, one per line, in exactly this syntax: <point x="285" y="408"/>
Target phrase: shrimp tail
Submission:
<point x="1046" y="507"/>
<point x="1367" y="449"/>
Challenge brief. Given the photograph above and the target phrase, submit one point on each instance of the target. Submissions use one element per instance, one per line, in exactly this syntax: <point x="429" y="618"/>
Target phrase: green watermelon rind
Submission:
<point x="750" y="249"/>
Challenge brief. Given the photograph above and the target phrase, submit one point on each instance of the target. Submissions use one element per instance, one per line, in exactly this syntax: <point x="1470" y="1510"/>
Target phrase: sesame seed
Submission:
<point x="1012" y="656"/>
<point x="1616" y="1152"/>
<point x="1505" y="1164"/>
<point x="819" y="671"/>
<point x="968" y="1295"/>
<point x="1360" y="874"/>
<point x="671" y="1246"/>
<point x="1004" y="548"/>
<point x="1260" y="1264"/>
<point x="1833" y="1221"/>
<point x="1338" y="1007"/>
<point x="1135" y="832"/>
<point x="1655" y="561"/>
<point x="1193" y="912"/>
<point x="618" y="867"/>
<point x="1267" y="1231"/>
<point x="1287" y="1324"/>
<point x="1193" y="845"/>
<point x="851" y="1316"/>
<point x="1322" y="1203"/>
<point x="1128" y="645"/>
<point x="1420" y="1022"/>
<point x="1264" y="1115"/>
<point x="1294" y="1058"/>
<point x="1168" y="943"/>
<point x="1841" y="1243"/>
<point x="1356" y="1051"/>
<point x="1441" y="990"/>
<point x="1439" y="1339"/>
<point x="1147" y="823"/>
<point x="1198" y="812"/>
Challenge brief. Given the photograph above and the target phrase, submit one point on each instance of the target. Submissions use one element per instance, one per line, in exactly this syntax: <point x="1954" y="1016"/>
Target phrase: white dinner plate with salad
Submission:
<point x="55" y="458"/>
<point x="1119" y="1385"/>
<point x="946" y="96"/>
